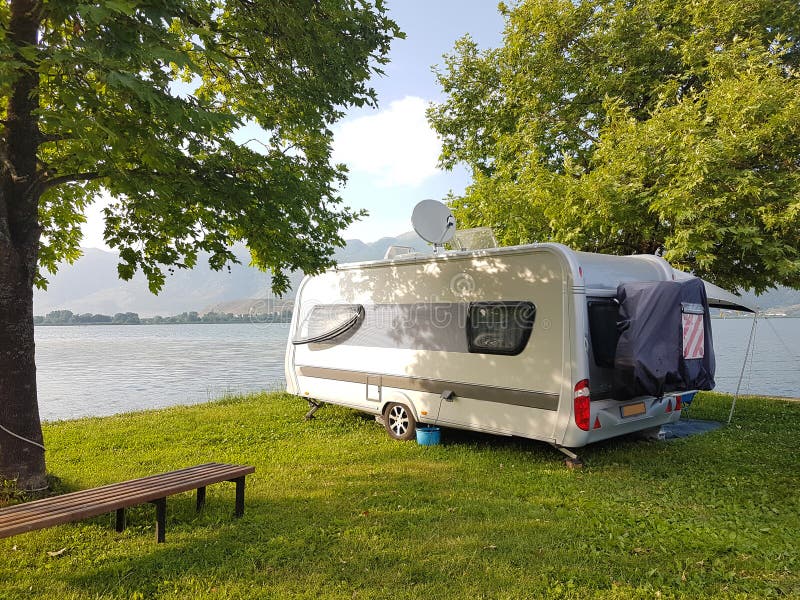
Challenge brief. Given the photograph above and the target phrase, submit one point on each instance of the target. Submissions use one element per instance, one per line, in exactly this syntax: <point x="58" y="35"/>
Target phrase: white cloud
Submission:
<point x="396" y="146"/>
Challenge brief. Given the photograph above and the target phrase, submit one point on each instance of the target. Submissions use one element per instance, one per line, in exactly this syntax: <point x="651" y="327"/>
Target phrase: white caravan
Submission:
<point x="514" y="341"/>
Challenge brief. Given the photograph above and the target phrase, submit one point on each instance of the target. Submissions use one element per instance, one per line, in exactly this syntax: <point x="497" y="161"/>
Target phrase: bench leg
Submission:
<point x="239" y="511"/>
<point x="161" y="518"/>
<point x="119" y="521"/>
<point x="201" y="498"/>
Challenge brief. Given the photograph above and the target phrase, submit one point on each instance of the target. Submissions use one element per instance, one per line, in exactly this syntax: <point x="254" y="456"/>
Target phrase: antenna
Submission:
<point x="433" y="222"/>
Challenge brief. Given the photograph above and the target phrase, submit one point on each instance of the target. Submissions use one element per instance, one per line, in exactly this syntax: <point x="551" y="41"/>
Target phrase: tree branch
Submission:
<point x="588" y="135"/>
<point x="54" y="137"/>
<point x="5" y="161"/>
<point x="55" y="181"/>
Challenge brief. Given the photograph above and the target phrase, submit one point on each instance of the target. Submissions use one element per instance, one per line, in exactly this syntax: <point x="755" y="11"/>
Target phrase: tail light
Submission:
<point x="582" y="410"/>
<point x="678" y="403"/>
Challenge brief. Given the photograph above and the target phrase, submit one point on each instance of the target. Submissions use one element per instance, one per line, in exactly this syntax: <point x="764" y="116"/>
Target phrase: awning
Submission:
<point x="719" y="298"/>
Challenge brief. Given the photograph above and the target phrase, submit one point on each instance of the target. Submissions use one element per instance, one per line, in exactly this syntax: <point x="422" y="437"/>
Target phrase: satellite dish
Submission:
<point x="433" y="222"/>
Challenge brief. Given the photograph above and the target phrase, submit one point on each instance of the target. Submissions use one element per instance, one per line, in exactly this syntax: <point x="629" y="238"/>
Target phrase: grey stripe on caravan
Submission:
<point x="489" y="393"/>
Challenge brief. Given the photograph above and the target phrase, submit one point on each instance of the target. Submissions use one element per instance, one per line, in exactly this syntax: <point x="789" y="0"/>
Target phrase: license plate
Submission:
<point x="631" y="410"/>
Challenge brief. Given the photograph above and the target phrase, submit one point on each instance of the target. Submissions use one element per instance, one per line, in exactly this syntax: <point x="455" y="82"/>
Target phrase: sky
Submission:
<point x="391" y="152"/>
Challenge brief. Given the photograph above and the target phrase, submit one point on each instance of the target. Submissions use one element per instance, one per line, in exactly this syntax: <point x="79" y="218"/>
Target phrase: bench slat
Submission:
<point x="98" y="506"/>
<point x="163" y="481"/>
<point x="168" y="483"/>
<point x="105" y="499"/>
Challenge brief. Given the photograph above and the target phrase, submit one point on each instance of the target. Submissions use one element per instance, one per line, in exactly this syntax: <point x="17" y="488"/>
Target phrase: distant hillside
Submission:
<point x="91" y="284"/>
<point x="791" y="310"/>
<point x="784" y="298"/>
<point x="250" y="306"/>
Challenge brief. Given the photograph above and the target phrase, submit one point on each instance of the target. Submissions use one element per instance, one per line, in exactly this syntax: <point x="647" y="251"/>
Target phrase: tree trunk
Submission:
<point x="19" y="409"/>
<point x="21" y="449"/>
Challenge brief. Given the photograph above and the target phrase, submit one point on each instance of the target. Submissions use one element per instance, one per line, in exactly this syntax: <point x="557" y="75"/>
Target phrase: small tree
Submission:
<point x="60" y="317"/>
<point x="623" y="127"/>
<point x="143" y="100"/>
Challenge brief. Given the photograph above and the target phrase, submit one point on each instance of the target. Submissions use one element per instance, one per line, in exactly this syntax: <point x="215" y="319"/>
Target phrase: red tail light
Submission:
<point x="582" y="410"/>
<point x="678" y="403"/>
<point x="669" y="406"/>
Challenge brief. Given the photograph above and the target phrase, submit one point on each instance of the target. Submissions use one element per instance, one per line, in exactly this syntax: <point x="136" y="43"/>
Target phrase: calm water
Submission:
<point x="106" y="369"/>
<point x="102" y="370"/>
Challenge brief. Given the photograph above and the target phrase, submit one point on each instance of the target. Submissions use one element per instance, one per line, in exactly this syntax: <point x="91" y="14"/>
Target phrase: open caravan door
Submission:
<point x="717" y="297"/>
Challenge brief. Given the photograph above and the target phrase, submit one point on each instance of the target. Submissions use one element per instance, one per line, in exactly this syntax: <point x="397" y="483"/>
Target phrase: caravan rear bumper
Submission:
<point x="612" y="418"/>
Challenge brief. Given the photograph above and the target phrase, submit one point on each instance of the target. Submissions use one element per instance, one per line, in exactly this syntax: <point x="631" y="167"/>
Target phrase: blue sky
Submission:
<point x="391" y="152"/>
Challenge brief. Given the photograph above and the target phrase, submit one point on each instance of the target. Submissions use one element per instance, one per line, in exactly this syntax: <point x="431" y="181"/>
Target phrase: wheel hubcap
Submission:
<point x="398" y="420"/>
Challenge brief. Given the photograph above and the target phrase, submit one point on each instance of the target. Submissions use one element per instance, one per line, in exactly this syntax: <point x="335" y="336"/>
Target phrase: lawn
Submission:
<point x="338" y="510"/>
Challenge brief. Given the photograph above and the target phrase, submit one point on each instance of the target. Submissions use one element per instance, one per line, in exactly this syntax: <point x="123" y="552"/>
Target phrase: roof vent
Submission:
<point x="476" y="238"/>
<point x="395" y="251"/>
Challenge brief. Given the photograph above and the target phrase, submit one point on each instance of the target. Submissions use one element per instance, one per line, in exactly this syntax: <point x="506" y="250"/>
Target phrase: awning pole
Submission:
<point x="744" y="364"/>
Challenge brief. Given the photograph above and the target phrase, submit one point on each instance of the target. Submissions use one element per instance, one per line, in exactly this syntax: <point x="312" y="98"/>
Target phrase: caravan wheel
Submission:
<point x="400" y="423"/>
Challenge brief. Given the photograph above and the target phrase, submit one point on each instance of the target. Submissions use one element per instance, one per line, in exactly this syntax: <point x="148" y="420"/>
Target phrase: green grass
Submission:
<point x="336" y="509"/>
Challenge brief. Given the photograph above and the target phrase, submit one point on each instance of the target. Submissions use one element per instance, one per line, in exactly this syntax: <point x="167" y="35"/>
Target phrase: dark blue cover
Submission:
<point x="652" y="357"/>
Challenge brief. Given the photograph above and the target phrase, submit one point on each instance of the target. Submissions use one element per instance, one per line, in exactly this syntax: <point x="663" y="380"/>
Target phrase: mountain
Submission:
<point x="91" y="285"/>
<point x="775" y="298"/>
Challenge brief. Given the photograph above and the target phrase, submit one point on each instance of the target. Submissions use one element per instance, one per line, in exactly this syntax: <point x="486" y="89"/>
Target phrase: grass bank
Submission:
<point x="337" y="510"/>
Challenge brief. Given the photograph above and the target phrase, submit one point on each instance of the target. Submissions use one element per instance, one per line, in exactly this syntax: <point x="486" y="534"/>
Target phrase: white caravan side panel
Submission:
<point x="512" y="395"/>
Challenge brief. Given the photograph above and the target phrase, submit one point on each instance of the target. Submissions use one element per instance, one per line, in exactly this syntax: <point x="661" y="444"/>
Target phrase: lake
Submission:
<point x="102" y="370"/>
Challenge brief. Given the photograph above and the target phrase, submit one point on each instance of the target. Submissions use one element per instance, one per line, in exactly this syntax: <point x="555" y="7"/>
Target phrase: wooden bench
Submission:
<point x="116" y="497"/>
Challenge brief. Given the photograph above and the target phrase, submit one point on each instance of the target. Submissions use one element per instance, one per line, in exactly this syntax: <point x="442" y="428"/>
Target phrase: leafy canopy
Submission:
<point x="668" y="126"/>
<point x="143" y="99"/>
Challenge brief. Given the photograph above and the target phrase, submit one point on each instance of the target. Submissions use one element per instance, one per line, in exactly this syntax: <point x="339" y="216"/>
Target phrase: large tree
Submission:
<point x="619" y="126"/>
<point x="142" y="100"/>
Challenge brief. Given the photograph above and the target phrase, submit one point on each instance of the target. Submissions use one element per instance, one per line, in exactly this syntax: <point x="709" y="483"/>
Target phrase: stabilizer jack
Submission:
<point x="573" y="461"/>
<point x="313" y="406"/>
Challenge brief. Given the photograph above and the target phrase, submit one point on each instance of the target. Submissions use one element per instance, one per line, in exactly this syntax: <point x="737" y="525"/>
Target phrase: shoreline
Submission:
<point x="243" y="397"/>
<point x="253" y="321"/>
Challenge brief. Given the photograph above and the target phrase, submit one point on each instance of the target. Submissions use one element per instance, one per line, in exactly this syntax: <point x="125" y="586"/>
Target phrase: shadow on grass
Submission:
<point x="543" y="451"/>
<point x="10" y="494"/>
<point x="298" y="544"/>
<point x="335" y="509"/>
<point x="428" y="524"/>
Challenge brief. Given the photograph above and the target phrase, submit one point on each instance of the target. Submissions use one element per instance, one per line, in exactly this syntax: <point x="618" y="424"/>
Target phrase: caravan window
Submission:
<point x="328" y="321"/>
<point x="603" y="315"/>
<point x="499" y="327"/>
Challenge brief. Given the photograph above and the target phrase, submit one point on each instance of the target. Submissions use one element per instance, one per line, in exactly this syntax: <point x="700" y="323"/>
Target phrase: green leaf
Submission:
<point x="657" y="126"/>
<point x="120" y="118"/>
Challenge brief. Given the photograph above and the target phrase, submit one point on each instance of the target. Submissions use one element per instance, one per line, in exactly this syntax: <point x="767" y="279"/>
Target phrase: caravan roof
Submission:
<point x="601" y="273"/>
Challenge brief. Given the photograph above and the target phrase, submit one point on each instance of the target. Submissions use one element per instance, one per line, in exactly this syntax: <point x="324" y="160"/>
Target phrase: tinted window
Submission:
<point x="417" y="326"/>
<point x="603" y="315"/>
<point x="327" y="321"/>
<point x="499" y="327"/>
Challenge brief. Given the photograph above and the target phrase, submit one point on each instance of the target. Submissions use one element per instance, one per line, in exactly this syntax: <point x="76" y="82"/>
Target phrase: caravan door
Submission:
<point x="509" y="381"/>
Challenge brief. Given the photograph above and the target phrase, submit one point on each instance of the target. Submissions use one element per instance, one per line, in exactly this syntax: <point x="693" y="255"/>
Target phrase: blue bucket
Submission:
<point x="428" y="436"/>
